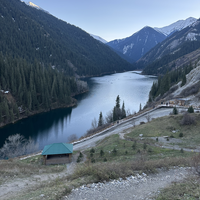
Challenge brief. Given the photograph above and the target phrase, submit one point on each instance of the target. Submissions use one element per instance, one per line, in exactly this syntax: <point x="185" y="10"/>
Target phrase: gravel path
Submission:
<point x="134" y="187"/>
<point x="119" y="128"/>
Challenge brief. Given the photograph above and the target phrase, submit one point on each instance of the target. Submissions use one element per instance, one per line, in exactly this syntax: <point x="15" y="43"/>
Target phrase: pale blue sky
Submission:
<point x="116" y="19"/>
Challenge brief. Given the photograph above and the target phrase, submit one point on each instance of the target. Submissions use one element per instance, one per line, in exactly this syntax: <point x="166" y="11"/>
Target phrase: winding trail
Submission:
<point x="133" y="188"/>
<point x="17" y="185"/>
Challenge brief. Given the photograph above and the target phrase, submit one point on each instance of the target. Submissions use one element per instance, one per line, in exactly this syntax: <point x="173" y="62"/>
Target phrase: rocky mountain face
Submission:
<point x="190" y="91"/>
<point x="176" y="26"/>
<point x="141" y="42"/>
<point x="137" y="45"/>
<point x="178" y="44"/>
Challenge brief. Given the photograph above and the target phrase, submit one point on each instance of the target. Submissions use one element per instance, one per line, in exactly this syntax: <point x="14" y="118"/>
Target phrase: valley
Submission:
<point x="130" y="106"/>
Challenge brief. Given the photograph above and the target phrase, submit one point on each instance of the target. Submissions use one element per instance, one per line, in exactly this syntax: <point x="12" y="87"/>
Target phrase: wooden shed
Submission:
<point x="57" y="153"/>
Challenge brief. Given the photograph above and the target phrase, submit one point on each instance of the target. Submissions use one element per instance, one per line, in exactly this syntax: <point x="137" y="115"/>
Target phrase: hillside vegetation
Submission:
<point x="163" y="56"/>
<point x="115" y="157"/>
<point x="32" y="34"/>
<point x="31" y="88"/>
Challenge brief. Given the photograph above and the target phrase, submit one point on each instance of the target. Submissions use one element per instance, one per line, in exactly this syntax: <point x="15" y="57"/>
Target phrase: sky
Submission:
<point x="117" y="19"/>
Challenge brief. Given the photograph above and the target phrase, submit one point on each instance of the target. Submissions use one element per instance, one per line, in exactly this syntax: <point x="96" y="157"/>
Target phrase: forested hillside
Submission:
<point x="183" y="42"/>
<point x="36" y="35"/>
<point x="30" y="88"/>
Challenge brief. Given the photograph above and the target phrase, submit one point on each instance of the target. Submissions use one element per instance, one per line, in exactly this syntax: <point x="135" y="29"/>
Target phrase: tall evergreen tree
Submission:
<point x="100" y="122"/>
<point x="123" y="111"/>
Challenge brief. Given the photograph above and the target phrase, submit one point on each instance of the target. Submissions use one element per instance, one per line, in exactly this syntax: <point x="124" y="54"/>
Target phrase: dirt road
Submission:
<point x="121" y="127"/>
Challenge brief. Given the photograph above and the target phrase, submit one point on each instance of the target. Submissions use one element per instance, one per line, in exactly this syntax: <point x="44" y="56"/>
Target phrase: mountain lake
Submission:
<point x="57" y="125"/>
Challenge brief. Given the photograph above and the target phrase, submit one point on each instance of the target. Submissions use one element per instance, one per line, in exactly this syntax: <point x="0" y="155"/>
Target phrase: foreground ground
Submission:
<point x="126" y="153"/>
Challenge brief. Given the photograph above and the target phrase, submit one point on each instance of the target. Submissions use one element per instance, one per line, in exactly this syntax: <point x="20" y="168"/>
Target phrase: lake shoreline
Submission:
<point x="73" y="104"/>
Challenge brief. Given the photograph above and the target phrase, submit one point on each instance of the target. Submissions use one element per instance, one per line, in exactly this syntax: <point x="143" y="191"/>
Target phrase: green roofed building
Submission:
<point x="57" y="153"/>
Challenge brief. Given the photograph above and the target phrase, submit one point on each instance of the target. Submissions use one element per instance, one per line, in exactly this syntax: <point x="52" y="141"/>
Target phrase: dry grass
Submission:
<point x="114" y="170"/>
<point x="165" y="125"/>
<point x="13" y="168"/>
<point x="188" y="189"/>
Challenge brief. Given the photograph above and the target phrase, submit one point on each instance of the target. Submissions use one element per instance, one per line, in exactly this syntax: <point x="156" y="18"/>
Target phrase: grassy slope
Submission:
<point x="126" y="161"/>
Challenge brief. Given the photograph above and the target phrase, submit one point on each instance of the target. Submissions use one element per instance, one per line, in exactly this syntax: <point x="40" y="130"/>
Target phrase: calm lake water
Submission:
<point x="57" y="125"/>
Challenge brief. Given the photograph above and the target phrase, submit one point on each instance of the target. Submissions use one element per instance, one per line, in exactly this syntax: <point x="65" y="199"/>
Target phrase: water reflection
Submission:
<point x="58" y="125"/>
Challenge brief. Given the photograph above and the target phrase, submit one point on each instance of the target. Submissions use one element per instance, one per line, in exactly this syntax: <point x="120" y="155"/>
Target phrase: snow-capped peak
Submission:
<point x="99" y="38"/>
<point x="35" y="6"/>
<point x="177" y="26"/>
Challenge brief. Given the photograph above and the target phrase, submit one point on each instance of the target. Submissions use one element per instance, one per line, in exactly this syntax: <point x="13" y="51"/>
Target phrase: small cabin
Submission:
<point x="57" y="153"/>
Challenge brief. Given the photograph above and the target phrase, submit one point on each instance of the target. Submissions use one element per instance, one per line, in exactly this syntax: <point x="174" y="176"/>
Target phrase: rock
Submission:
<point x="141" y="135"/>
<point x="42" y="195"/>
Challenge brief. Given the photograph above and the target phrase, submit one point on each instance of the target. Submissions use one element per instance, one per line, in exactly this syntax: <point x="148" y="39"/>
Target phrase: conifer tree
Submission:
<point x="123" y="111"/>
<point x="100" y="123"/>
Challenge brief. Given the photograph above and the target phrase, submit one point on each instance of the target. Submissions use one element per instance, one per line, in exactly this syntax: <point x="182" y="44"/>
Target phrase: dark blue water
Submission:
<point x="57" y="125"/>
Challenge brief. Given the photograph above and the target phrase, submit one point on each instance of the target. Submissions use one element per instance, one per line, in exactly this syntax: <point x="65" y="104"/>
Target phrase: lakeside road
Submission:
<point x="122" y="126"/>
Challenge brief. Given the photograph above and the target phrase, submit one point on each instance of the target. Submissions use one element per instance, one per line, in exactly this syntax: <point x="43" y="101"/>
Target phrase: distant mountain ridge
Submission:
<point x="163" y="57"/>
<point x="176" y="26"/>
<point x="35" y="6"/>
<point x="137" y="45"/>
<point x="99" y="38"/>
<point x="31" y="34"/>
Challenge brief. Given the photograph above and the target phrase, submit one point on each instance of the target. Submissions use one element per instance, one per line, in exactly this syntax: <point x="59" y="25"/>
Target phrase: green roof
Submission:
<point x="58" y="148"/>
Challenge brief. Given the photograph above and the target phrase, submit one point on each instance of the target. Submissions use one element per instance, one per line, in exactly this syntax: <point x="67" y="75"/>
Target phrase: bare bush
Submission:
<point x="187" y="119"/>
<point x="72" y="138"/>
<point x="81" y="86"/>
<point x="94" y="123"/>
<point x="17" y="145"/>
<point x="109" y="117"/>
<point x="196" y="163"/>
<point x="148" y="118"/>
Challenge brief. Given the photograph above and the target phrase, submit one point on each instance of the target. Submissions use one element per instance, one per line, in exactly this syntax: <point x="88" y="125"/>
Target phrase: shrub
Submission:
<point x="175" y="111"/>
<point x="78" y="159"/>
<point x="144" y="146"/>
<point x="196" y="163"/>
<point x="91" y="154"/>
<point x="17" y="145"/>
<point x="80" y="155"/>
<point x="150" y="150"/>
<point x="101" y="153"/>
<point x="105" y="160"/>
<point x="180" y="134"/>
<point x="191" y="109"/>
<point x="126" y="152"/>
<point x="157" y="139"/>
<point x="187" y="119"/>
<point x="182" y="150"/>
<point x="92" y="160"/>
<point x="134" y="145"/>
<point x="92" y="150"/>
<point x="114" y="151"/>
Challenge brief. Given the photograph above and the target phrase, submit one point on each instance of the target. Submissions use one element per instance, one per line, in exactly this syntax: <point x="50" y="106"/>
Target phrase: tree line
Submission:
<point x="33" y="34"/>
<point x="165" y="82"/>
<point x="31" y="87"/>
<point x="117" y="113"/>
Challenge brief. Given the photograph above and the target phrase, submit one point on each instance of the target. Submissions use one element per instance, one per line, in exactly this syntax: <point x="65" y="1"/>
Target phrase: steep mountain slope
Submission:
<point x="34" y="6"/>
<point x="175" y="46"/>
<point x="32" y="34"/>
<point x="99" y="38"/>
<point x="138" y="44"/>
<point x="176" y="26"/>
<point x="190" y="90"/>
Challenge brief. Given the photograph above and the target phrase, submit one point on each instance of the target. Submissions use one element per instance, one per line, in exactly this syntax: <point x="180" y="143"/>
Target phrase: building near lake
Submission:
<point x="57" y="153"/>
